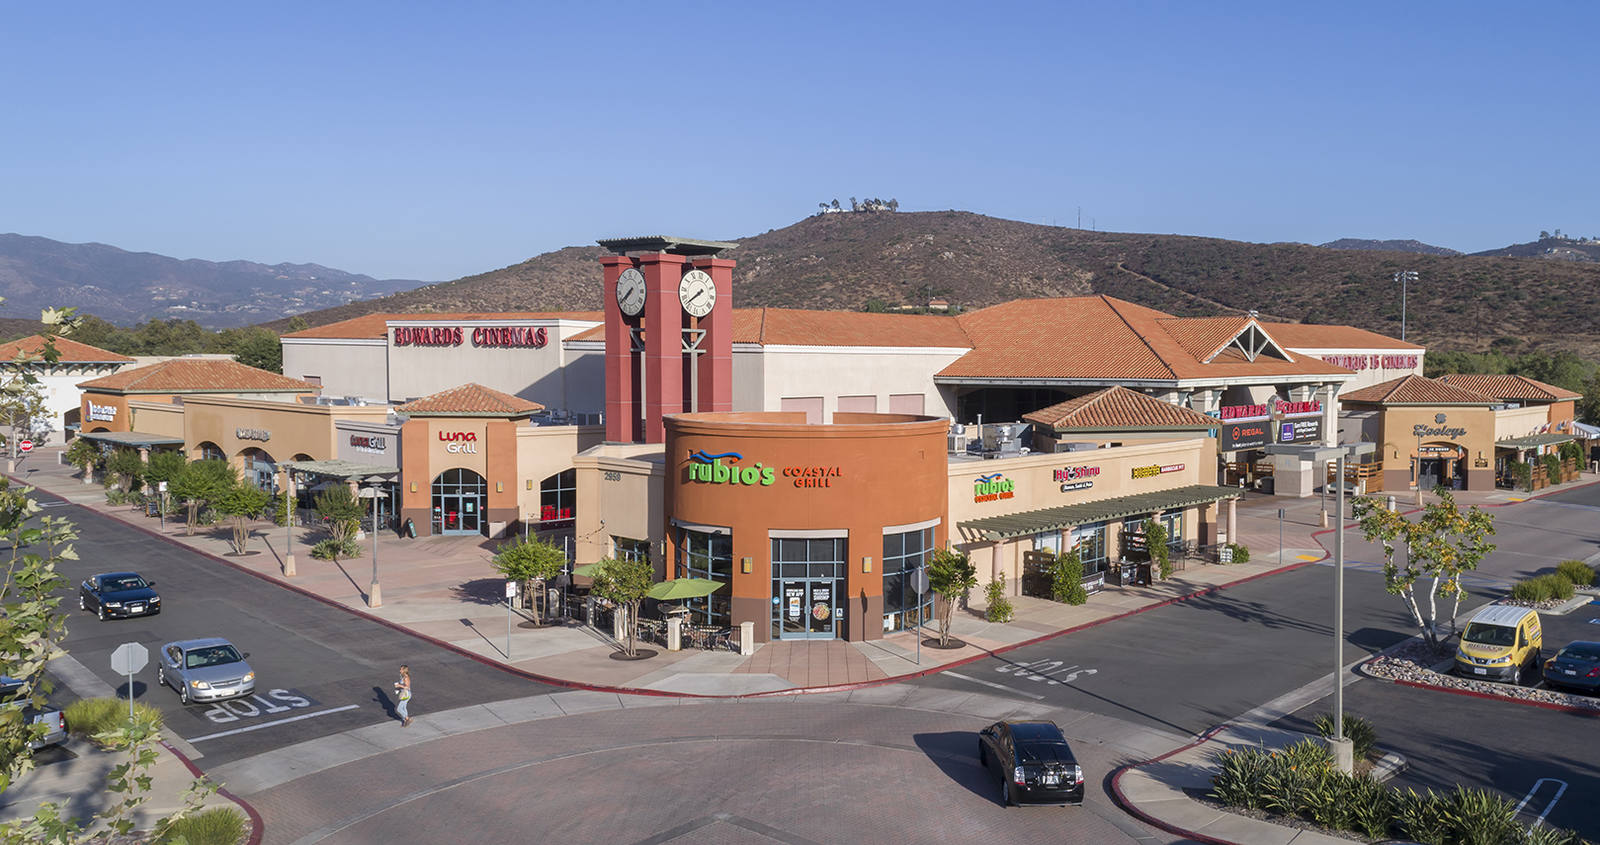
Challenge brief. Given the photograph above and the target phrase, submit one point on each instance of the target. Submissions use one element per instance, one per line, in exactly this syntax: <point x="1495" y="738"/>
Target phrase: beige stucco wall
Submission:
<point x="1398" y="446"/>
<point x="543" y="451"/>
<point x="1373" y="366"/>
<point x="293" y="428"/>
<point x="162" y="418"/>
<point x="831" y="372"/>
<point x="1035" y="488"/>
<point x="619" y="495"/>
<point x="1520" y="422"/>
<point x="537" y="374"/>
<point x="347" y="366"/>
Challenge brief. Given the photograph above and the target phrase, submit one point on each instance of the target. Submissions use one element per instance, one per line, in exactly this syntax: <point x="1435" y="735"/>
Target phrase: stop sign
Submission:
<point x="26" y="445"/>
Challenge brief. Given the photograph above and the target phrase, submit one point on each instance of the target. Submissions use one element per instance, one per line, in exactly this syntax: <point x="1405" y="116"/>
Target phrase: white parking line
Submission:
<point x="270" y="724"/>
<point x="996" y="686"/>
<point x="1548" y="807"/>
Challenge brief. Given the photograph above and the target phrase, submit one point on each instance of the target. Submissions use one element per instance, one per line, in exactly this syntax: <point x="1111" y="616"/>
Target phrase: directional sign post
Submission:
<point x="920" y="583"/>
<point x="128" y="659"/>
<point x="511" y="594"/>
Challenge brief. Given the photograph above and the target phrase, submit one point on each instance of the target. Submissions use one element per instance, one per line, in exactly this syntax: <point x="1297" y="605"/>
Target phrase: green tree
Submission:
<point x="298" y="323"/>
<point x="1066" y="578"/>
<point x="951" y="575"/>
<point x="1155" y="538"/>
<point x="241" y="503"/>
<point x="1441" y="545"/>
<point x="531" y="563"/>
<point x="341" y="514"/>
<point x="1589" y="405"/>
<point x="22" y="409"/>
<point x="200" y="484"/>
<point x="125" y="468"/>
<point x="624" y="583"/>
<point x="84" y="454"/>
<point x="254" y="346"/>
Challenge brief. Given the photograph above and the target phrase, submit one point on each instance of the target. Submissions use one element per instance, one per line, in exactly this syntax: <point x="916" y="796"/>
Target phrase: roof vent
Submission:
<point x="1254" y="314"/>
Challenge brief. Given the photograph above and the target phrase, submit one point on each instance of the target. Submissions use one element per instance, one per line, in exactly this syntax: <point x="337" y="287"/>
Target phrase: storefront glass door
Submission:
<point x="458" y="497"/>
<point x="807" y="580"/>
<point x="808" y="609"/>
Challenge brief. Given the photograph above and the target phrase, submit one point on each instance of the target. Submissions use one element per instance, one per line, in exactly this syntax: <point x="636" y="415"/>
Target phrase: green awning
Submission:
<point x="1014" y="525"/>
<point x="131" y="439"/>
<point x="342" y="470"/>
<point x="1534" y="441"/>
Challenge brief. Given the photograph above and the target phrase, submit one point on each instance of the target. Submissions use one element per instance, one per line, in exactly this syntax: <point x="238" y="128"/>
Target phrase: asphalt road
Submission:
<point x="1194" y="664"/>
<point x="1450" y="739"/>
<point x="319" y="669"/>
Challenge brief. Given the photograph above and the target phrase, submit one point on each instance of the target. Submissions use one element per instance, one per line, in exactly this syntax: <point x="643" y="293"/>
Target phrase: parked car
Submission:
<point x="210" y="669"/>
<point x="1575" y="666"/>
<point x="1501" y="642"/>
<point x="55" y="722"/>
<point x="1033" y="761"/>
<point x="118" y="594"/>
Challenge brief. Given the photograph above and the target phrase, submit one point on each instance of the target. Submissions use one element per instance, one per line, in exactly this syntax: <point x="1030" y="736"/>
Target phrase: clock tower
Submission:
<point x="669" y="333"/>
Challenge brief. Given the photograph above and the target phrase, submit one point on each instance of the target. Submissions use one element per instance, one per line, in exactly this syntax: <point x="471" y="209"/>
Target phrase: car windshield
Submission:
<point x="1483" y="634"/>
<point x="1588" y="652"/>
<point x="213" y="655"/>
<point x="129" y="582"/>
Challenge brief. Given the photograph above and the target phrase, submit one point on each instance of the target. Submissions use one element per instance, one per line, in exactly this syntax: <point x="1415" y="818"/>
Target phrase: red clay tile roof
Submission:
<point x="1309" y="336"/>
<point x="1416" y="390"/>
<point x="796" y="327"/>
<point x="1511" y="387"/>
<point x="1118" y="408"/>
<point x="375" y="326"/>
<point x="1203" y="337"/>
<point x="72" y="352"/>
<point x="470" y="400"/>
<point x="197" y="375"/>
<point x="1100" y="337"/>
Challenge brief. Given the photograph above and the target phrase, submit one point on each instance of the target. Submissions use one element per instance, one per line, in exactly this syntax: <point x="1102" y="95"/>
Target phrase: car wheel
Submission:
<point x="183" y="693"/>
<point x="83" y="603"/>
<point x="101" y="612"/>
<point x="161" y="675"/>
<point x="1005" y="792"/>
<point x="1516" y="676"/>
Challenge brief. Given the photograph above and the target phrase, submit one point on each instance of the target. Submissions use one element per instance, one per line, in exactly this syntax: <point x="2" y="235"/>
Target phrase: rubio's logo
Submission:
<point x="724" y="468"/>
<point x="459" y="442"/>
<point x="989" y="488"/>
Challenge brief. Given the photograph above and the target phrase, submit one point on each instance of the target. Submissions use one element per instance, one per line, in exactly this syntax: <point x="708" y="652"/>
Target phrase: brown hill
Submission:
<point x="846" y="261"/>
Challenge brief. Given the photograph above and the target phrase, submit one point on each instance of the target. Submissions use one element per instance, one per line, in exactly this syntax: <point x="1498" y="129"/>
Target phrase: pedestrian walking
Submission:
<point x="402" y="688"/>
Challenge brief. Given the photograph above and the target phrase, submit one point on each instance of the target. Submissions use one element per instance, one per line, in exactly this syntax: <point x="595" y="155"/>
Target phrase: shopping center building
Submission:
<point x="811" y="460"/>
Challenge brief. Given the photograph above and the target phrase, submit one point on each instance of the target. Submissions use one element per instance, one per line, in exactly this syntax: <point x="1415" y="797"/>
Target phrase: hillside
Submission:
<point x="1553" y="248"/>
<point x="1389" y="246"/>
<point x="845" y="261"/>
<point x="130" y="287"/>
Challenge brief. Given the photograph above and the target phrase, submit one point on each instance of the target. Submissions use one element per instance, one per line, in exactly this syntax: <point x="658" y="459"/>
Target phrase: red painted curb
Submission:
<point x="258" y="828"/>
<point x="1122" y="802"/>
<point x="1562" y="708"/>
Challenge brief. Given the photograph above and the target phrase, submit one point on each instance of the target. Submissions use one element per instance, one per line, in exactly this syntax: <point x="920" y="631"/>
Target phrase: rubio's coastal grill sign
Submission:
<point x="729" y="468"/>
<point x="1076" y="478"/>
<point x="494" y="337"/>
<point x="993" y="487"/>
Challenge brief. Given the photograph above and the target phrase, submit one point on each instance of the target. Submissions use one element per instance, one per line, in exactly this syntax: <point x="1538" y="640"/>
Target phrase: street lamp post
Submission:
<point x="375" y="592"/>
<point x="288" y="524"/>
<point x="1404" y="277"/>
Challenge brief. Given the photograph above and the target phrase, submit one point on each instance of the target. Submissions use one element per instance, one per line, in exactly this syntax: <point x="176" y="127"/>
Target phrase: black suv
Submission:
<point x="1033" y="761"/>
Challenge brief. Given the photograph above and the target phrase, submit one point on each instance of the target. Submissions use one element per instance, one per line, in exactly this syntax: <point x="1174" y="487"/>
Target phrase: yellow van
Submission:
<point x="1501" y="643"/>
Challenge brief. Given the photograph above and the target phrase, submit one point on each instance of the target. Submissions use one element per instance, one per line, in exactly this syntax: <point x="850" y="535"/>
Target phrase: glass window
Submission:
<point x="210" y="452"/>
<point x="903" y="555"/>
<point x="458" y="496"/>
<point x="627" y="548"/>
<point x="1090" y="541"/>
<point x="1047" y="541"/>
<point x="557" y="496"/>
<point x="1173" y="522"/>
<point x="710" y="556"/>
<point x="805" y="559"/>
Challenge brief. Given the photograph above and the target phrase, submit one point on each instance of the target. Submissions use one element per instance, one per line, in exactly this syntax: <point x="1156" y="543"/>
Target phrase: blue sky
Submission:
<point x="432" y="141"/>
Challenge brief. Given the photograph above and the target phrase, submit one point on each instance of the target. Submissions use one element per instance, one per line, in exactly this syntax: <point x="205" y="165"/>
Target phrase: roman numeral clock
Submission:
<point x="669" y="341"/>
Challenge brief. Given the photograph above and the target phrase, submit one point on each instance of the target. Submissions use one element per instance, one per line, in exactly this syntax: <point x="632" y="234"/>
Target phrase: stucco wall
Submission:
<point x="291" y="428"/>
<point x="538" y="374"/>
<point x="619" y="495"/>
<point x="1520" y="422"/>
<point x="832" y="372"/>
<point x="347" y="367"/>
<point x="1399" y="444"/>
<point x="1371" y="366"/>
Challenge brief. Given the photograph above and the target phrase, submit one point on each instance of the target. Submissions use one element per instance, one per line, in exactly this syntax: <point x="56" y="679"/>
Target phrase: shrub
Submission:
<point x="1542" y="835"/>
<point x="1155" y="537"/>
<point x="1552" y="468"/>
<point x="92" y="717"/>
<point x="216" y="826"/>
<point x="1530" y="590"/>
<point x="331" y="549"/>
<point x="1372" y="808"/>
<point x="1362" y="735"/>
<point x="1560" y="586"/>
<point x="1237" y="782"/>
<point x="1241" y="554"/>
<point x="1578" y="572"/>
<point x="1066" y="579"/>
<point x="998" y="608"/>
<point x="1480" y="816"/>
<point x="1421" y="817"/>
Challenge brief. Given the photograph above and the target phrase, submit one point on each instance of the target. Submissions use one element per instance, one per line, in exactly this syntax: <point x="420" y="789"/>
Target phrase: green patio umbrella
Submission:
<point x="684" y="588"/>
<point x="588" y="570"/>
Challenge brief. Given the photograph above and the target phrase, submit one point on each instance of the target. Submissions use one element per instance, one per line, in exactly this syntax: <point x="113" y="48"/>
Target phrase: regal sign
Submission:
<point x="1244" y="435"/>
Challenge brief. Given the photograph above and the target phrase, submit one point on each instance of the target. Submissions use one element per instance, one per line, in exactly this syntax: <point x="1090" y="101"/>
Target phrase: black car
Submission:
<point x="1577" y="666"/>
<point x="118" y="594"/>
<point x="1033" y="761"/>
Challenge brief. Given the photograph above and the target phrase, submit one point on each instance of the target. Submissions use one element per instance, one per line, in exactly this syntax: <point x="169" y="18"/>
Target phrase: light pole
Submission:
<point x="375" y="593"/>
<point x="1343" y="753"/>
<point x="288" y="524"/>
<point x="1404" y="277"/>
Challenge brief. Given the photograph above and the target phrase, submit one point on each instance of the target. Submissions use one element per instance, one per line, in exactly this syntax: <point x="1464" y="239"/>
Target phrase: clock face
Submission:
<point x="697" y="293"/>
<point x="630" y="292"/>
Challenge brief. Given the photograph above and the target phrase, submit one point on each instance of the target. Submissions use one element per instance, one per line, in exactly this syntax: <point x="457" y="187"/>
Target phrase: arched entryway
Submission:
<point x="458" y="501"/>
<point x="1442" y="464"/>
<point x="209" y="451"/>
<point x="260" y="469"/>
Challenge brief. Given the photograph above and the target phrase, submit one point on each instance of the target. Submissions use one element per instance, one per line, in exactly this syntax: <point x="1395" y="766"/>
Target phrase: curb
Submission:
<point x="258" y="828"/>
<point x="1122" y="802"/>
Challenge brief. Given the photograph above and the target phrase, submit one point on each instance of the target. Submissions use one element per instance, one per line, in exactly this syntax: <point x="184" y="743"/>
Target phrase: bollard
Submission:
<point x="747" y="638"/>
<point x="1391" y="504"/>
<point x="675" y="634"/>
<point x="619" y="618"/>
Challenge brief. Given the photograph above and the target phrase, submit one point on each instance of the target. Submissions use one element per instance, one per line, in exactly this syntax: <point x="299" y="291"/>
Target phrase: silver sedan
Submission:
<point x="210" y="669"/>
